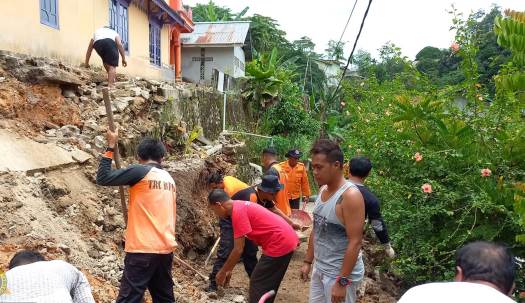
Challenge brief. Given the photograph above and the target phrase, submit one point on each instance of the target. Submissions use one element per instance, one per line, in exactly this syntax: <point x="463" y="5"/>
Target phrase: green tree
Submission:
<point x="211" y="12"/>
<point x="266" y="34"/>
<point x="335" y="50"/>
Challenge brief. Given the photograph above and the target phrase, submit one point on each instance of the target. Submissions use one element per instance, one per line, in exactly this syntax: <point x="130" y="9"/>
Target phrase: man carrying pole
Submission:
<point x="150" y="233"/>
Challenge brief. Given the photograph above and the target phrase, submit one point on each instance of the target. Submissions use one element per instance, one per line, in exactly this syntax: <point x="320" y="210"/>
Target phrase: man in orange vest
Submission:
<point x="297" y="179"/>
<point x="150" y="234"/>
<point x="272" y="167"/>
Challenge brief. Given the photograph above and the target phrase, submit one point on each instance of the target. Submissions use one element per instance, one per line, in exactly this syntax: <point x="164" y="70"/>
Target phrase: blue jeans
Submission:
<point x="321" y="288"/>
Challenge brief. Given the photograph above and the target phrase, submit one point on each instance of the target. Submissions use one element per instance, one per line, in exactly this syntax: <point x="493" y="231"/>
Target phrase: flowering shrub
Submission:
<point x="447" y="172"/>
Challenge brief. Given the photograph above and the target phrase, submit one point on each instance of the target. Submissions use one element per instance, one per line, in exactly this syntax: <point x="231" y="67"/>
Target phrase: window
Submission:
<point x="49" y="12"/>
<point x="154" y="44"/>
<point x="118" y="20"/>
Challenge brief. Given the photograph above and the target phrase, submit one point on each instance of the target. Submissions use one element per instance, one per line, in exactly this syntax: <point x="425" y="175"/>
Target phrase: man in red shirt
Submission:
<point x="254" y="222"/>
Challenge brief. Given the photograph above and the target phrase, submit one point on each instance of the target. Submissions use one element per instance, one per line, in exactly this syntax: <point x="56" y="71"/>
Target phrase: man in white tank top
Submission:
<point x="108" y="45"/>
<point x="335" y="242"/>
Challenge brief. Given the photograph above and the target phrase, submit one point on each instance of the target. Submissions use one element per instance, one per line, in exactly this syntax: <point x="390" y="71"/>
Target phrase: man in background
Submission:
<point x="31" y="278"/>
<point x="107" y="44"/>
<point x="359" y="170"/>
<point x="297" y="175"/>
<point x="485" y="273"/>
<point x="272" y="167"/>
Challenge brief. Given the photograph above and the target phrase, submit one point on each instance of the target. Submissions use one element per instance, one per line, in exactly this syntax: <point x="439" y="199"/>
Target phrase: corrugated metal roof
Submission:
<point x="217" y="33"/>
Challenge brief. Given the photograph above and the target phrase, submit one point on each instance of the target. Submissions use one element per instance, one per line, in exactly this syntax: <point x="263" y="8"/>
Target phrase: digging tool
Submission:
<point x="180" y="261"/>
<point x="212" y="250"/>
<point x="116" y="155"/>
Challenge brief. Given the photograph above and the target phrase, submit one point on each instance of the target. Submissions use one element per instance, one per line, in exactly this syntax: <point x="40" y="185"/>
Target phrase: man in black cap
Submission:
<point x="272" y="167"/>
<point x="263" y="194"/>
<point x="297" y="176"/>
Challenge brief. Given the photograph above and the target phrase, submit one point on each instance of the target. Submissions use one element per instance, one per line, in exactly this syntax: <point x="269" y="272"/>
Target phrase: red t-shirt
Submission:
<point x="276" y="237"/>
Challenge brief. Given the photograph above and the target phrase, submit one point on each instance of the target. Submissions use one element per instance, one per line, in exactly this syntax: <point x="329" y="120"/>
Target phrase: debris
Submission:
<point x="68" y="93"/>
<point x="80" y="156"/>
<point x="145" y="94"/>
<point x="238" y="299"/>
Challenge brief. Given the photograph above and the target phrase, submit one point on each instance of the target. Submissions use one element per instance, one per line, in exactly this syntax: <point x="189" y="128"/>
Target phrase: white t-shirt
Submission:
<point x="104" y="33"/>
<point x="47" y="282"/>
<point x="454" y="292"/>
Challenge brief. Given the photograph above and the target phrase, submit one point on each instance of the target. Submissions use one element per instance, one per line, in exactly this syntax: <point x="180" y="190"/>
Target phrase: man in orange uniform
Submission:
<point x="297" y="179"/>
<point x="150" y="234"/>
<point x="272" y="167"/>
<point x="231" y="185"/>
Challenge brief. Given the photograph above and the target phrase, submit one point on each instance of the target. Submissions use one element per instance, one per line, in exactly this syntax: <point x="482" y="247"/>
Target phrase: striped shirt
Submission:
<point x="47" y="282"/>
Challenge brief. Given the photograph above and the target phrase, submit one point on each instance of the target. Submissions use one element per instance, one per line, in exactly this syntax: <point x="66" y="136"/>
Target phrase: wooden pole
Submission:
<point x="180" y="261"/>
<point x="212" y="250"/>
<point x="116" y="154"/>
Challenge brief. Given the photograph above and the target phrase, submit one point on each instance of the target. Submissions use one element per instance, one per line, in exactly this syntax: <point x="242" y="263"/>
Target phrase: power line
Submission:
<point x="353" y="49"/>
<point x="347" y="22"/>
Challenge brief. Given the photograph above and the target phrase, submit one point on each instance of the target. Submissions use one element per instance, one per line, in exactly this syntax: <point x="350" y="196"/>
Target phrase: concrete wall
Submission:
<point x="239" y="63"/>
<point x="223" y="60"/>
<point x="22" y="32"/>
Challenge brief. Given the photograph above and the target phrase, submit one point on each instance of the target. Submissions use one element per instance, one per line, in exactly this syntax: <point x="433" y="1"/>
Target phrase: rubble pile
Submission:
<point x="56" y="208"/>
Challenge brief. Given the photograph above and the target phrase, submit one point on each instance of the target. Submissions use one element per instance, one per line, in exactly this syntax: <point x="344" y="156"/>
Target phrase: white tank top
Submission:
<point x="104" y="33"/>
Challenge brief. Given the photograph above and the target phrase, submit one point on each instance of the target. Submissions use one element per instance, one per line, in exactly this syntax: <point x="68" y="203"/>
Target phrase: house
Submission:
<point x="62" y="29"/>
<point x="332" y="70"/>
<point x="220" y="46"/>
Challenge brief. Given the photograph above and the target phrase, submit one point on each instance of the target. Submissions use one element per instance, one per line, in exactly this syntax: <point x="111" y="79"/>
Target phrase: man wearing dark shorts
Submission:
<point x="107" y="44"/>
<point x="268" y="230"/>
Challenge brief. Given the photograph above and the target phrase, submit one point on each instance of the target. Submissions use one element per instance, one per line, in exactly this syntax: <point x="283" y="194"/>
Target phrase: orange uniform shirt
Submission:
<point x="281" y="200"/>
<point x="297" y="180"/>
<point x="233" y="185"/>
<point x="152" y="214"/>
<point x="152" y="208"/>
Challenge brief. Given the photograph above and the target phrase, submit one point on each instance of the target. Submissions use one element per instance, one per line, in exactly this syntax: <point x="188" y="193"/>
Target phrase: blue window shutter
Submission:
<point x="154" y="44"/>
<point x="118" y="21"/>
<point x="49" y="12"/>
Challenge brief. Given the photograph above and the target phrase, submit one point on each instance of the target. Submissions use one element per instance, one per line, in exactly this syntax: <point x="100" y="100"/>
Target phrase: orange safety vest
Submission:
<point x="281" y="199"/>
<point x="152" y="214"/>
<point x="233" y="185"/>
<point x="297" y="180"/>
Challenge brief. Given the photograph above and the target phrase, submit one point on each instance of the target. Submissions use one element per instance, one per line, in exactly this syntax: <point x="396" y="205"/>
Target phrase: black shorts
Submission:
<point x="107" y="50"/>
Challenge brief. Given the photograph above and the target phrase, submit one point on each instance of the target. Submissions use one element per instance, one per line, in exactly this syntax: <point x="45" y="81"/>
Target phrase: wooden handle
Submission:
<point x="180" y="261"/>
<point x="116" y="154"/>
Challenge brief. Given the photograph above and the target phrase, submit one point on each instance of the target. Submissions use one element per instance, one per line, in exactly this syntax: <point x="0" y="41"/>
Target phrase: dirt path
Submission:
<point x="293" y="289"/>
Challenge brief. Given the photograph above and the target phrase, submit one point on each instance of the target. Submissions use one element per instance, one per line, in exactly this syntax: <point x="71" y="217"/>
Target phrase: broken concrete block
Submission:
<point x="159" y="99"/>
<point x="22" y="154"/>
<point x="80" y="156"/>
<point x="122" y="103"/>
<point x="70" y="130"/>
<point x="145" y="94"/>
<point x="100" y="141"/>
<point x="135" y="91"/>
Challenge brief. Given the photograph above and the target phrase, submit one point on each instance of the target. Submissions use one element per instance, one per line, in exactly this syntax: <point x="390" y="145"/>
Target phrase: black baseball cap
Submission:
<point x="294" y="153"/>
<point x="270" y="184"/>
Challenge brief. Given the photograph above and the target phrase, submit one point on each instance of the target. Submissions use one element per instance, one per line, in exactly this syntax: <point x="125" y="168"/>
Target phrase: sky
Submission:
<point x="410" y="24"/>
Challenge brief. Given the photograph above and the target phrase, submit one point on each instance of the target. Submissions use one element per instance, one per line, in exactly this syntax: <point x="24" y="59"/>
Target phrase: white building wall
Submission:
<point x="223" y="60"/>
<point x="240" y="62"/>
